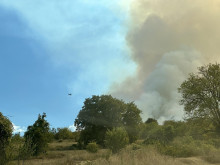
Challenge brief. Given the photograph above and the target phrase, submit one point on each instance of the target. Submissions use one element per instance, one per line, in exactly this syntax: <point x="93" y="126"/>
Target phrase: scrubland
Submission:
<point x="65" y="153"/>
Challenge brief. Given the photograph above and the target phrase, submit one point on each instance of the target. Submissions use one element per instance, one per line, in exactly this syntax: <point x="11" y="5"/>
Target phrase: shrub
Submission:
<point x="27" y="150"/>
<point x="5" y="136"/>
<point x="92" y="147"/>
<point x="63" y="133"/>
<point x="116" y="139"/>
<point x="186" y="146"/>
<point x="160" y="134"/>
<point x="39" y="134"/>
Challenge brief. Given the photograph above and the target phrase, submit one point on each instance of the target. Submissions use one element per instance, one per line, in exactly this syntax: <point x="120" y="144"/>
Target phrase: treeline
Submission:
<point x="107" y="122"/>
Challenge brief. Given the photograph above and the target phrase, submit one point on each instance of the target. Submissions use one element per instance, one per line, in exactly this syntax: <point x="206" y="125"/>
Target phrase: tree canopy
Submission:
<point x="201" y="94"/>
<point x="101" y="113"/>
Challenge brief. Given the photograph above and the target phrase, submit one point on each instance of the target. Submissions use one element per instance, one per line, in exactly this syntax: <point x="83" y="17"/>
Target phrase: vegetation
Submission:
<point x="92" y="147"/>
<point x="63" y="133"/>
<point x="5" y="136"/>
<point x="102" y="113"/>
<point x="106" y="126"/>
<point x="39" y="134"/>
<point x="116" y="139"/>
<point x="201" y="94"/>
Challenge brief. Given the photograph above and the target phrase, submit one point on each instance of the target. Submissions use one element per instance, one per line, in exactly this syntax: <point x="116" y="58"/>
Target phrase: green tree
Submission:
<point x="148" y="127"/>
<point x="116" y="139"/>
<point x="39" y="134"/>
<point x="201" y="94"/>
<point x="151" y="120"/>
<point x="101" y="113"/>
<point x="159" y="134"/>
<point x="6" y="129"/>
<point x="63" y="133"/>
<point x="131" y="121"/>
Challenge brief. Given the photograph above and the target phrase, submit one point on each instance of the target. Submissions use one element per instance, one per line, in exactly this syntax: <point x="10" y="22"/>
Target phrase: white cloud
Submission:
<point x="18" y="129"/>
<point x="72" y="128"/>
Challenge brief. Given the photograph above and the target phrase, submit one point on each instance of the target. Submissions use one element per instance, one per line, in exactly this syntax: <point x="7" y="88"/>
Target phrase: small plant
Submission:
<point x="92" y="147"/>
<point x="116" y="139"/>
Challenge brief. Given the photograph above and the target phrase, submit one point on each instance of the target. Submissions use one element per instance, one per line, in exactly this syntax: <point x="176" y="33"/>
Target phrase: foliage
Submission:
<point x="151" y="120"/>
<point x="92" y="147"/>
<point x="201" y="94"/>
<point x="180" y="128"/>
<point x="76" y="135"/>
<point x="101" y="113"/>
<point x="63" y="133"/>
<point x="116" y="139"/>
<point x="39" y="134"/>
<point x="147" y="128"/>
<point x="15" y="144"/>
<point x="6" y="129"/>
<point x="26" y="150"/>
<point x="131" y="121"/>
<point x="186" y="146"/>
<point x="160" y="134"/>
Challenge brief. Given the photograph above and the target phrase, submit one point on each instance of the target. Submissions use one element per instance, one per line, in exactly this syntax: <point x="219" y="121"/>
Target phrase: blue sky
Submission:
<point x="51" y="48"/>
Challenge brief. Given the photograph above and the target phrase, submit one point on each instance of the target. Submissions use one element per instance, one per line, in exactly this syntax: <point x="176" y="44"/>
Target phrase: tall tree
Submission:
<point x="6" y="129"/>
<point x="101" y="113"/>
<point x="201" y="94"/>
<point x="39" y="134"/>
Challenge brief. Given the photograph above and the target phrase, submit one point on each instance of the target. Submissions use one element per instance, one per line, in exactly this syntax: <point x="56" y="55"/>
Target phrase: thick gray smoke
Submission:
<point x="168" y="40"/>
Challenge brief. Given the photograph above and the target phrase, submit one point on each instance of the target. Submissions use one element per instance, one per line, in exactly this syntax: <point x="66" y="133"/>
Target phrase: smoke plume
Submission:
<point x="168" y="39"/>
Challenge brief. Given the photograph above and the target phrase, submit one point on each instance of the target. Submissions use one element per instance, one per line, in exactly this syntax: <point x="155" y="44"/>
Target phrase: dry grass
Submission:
<point x="213" y="157"/>
<point x="64" y="145"/>
<point x="145" y="156"/>
<point x="64" y="157"/>
<point x="59" y="154"/>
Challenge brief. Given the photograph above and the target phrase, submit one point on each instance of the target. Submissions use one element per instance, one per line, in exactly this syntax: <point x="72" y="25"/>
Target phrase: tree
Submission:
<point x="151" y="120"/>
<point x="201" y="94"/>
<point x="148" y="127"/>
<point x="64" y="133"/>
<point x="6" y="129"/>
<point x="101" y="113"/>
<point x="39" y="134"/>
<point x="116" y="139"/>
<point x="132" y="121"/>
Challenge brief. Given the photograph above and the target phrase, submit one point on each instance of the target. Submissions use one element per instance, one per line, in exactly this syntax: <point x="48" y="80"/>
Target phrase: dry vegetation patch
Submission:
<point x="145" y="156"/>
<point x="134" y="154"/>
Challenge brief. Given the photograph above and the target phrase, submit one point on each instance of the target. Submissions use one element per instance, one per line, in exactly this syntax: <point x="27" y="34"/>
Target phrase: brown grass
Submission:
<point x="145" y="156"/>
<point x="60" y="154"/>
<point x="213" y="157"/>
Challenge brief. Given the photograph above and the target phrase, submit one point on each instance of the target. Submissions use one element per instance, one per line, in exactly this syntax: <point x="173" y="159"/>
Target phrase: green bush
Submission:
<point x="116" y="139"/>
<point x="26" y="150"/>
<point x="159" y="134"/>
<point x="63" y="133"/>
<point x="5" y="137"/>
<point x="186" y="146"/>
<point x="39" y="134"/>
<point x="92" y="147"/>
